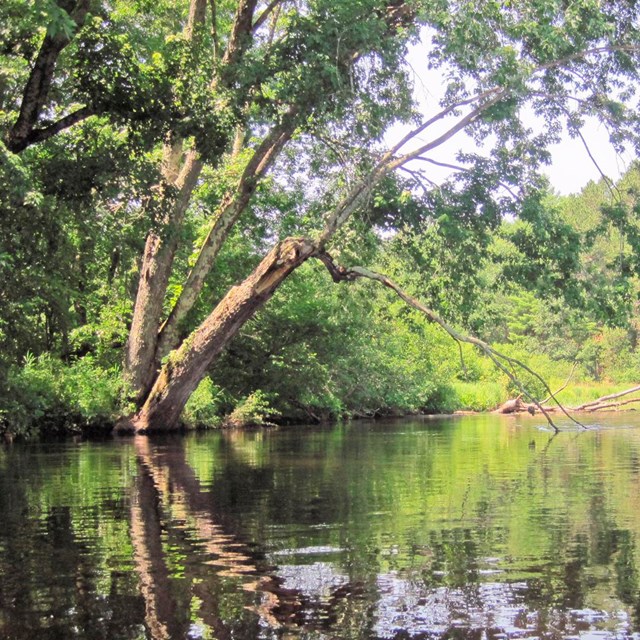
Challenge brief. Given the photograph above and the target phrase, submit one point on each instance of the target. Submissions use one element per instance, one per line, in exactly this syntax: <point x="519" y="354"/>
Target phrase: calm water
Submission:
<point x="479" y="527"/>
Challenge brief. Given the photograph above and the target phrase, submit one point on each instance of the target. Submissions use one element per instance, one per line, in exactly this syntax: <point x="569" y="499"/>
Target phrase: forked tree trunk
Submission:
<point x="186" y="367"/>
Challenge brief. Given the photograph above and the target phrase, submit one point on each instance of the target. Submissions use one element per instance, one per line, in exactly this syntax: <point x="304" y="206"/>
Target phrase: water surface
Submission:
<point x="476" y="527"/>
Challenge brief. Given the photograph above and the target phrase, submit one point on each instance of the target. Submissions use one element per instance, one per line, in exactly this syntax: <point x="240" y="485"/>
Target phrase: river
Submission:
<point x="480" y="527"/>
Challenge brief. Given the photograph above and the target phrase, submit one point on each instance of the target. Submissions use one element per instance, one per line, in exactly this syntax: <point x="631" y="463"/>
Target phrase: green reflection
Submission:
<point x="449" y="528"/>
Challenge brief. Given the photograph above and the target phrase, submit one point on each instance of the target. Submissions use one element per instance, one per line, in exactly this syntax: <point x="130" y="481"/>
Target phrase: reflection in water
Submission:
<point x="478" y="528"/>
<point x="166" y="484"/>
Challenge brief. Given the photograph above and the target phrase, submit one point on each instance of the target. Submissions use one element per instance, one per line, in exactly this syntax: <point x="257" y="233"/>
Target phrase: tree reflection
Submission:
<point x="367" y="534"/>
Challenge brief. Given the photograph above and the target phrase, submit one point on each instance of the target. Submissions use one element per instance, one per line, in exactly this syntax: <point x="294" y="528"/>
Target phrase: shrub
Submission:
<point x="203" y="407"/>
<point x="252" y="410"/>
<point x="46" y="396"/>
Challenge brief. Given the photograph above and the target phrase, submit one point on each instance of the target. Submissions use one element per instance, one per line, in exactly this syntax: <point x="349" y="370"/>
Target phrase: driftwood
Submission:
<point x="587" y="405"/>
<point x="516" y="405"/>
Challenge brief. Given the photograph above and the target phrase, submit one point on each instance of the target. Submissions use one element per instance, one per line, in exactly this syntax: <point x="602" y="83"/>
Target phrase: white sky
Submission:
<point x="571" y="167"/>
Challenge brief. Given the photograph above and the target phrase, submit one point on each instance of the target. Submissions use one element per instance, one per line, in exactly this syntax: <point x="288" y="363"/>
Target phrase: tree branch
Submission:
<point x="500" y="360"/>
<point x="40" y="135"/>
<point x="564" y="386"/>
<point x="561" y="62"/>
<point x="214" y="28"/>
<point x="231" y="207"/>
<point x="240" y="32"/>
<point x="36" y="90"/>
<point x="388" y="163"/>
<point x="613" y="396"/>
<point x="262" y="18"/>
<point x="440" y="116"/>
<point x="197" y="13"/>
<point x="611" y="405"/>
<point x="461" y="169"/>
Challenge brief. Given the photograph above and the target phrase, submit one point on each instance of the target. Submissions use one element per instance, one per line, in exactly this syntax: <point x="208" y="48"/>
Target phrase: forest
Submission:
<point x="201" y="200"/>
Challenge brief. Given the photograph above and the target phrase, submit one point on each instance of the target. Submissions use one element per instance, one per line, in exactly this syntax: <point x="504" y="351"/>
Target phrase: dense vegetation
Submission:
<point x="156" y="155"/>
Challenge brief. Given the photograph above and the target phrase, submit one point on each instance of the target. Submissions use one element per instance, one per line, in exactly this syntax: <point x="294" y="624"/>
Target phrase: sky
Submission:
<point x="571" y="168"/>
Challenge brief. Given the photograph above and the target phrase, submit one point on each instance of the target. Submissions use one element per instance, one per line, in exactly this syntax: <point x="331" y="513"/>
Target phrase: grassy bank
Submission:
<point x="487" y="395"/>
<point x="49" y="398"/>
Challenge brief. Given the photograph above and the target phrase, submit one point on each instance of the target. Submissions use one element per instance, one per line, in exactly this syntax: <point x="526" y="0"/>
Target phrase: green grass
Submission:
<point x="581" y="392"/>
<point x="487" y="395"/>
<point x="479" y="396"/>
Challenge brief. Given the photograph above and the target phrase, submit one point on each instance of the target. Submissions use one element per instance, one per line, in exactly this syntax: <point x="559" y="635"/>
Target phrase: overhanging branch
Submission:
<point x="501" y="361"/>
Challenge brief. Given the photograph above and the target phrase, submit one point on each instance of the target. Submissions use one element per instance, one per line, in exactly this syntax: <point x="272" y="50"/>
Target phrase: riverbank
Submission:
<point x="487" y="395"/>
<point x="460" y="398"/>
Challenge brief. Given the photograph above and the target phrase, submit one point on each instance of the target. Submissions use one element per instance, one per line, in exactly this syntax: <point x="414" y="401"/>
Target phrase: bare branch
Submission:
<point x="440" y="116"/>
<point x="461" y="169"/>
<point x="345" y="208"/>
<point x="561" y="62"/>
<point x="340" y="273"/>
<point x="612" y="405"/>
<point x="563" y="387"/>
<point x="613" y="396"/>
<point x="615" y="192"/>
<point x="463" y="123"/>
<point x="419" y="178"/>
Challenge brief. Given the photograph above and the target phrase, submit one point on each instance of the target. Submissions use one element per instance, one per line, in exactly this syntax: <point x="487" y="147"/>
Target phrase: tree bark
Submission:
<point x="187" y="366"/>
<point x="160" y="247"/>
<point x="141" y="355"/>
<point x="229" y="210"/>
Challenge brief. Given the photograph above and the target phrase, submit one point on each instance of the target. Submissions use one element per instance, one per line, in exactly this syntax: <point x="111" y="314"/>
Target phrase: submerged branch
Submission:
<point x="563" y="387"/>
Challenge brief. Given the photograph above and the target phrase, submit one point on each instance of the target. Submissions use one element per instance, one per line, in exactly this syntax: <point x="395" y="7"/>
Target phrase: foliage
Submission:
<point x="203" y="408"/>
<point x="49" y="397"/>
<point x="255" y="409"/>
<point x="483" y="396"/>
<point x="323" y="351"/>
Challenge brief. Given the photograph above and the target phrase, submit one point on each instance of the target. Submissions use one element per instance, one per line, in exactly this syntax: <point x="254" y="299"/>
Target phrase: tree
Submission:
<point x="226" y="92"/>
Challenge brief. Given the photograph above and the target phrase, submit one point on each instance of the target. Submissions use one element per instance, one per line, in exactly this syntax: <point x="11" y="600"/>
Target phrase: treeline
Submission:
<point x="560" y="295"/>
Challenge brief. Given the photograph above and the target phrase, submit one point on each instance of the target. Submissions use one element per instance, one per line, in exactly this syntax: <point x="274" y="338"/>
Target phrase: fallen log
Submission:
<point x="516" y="405"/>
<point x="610" y="405"/>
<point x="611" y="396"/>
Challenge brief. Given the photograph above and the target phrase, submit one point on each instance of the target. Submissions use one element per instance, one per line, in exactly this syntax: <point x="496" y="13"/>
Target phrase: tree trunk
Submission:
<point x="187" y="366"/>
<point x="232" y="206"/>
<point x="141" y="360"/>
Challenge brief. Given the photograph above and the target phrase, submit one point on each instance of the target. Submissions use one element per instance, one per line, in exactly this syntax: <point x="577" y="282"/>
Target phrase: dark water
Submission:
<point x="479" y="527"/>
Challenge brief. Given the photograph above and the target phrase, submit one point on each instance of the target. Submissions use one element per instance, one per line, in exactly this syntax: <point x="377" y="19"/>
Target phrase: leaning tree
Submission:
<point x="312" y="93"/>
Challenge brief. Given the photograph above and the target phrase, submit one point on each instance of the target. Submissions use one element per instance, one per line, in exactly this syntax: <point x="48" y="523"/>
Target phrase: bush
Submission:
<point x="252" y="410"/>
<point x="203" y="407"/>
<point x="48" y="397"/>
